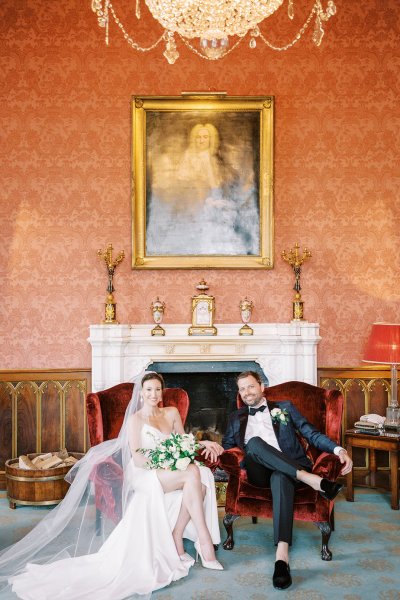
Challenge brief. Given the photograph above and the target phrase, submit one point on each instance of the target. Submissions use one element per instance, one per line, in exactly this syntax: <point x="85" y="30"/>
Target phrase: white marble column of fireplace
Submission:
<point x="284" y="351"/>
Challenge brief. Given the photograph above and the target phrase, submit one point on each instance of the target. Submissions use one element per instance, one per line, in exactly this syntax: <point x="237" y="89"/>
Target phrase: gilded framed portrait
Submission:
<point x="202" y="182"/>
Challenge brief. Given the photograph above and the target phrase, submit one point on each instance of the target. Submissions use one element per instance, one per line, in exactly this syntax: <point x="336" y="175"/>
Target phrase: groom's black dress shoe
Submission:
<point x="281" y="578"/>
<point x="329" y="489"/>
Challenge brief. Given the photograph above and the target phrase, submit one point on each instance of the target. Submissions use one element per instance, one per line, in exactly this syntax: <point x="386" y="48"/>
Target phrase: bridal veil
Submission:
<point x="71" y="528"/>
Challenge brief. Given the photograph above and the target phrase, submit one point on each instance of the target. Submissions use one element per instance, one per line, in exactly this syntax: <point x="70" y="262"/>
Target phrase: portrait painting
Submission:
<point x="202" y="182"/>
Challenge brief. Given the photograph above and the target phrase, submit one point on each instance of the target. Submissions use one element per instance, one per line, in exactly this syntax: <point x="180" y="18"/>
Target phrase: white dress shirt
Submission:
<point x="260" y="425"/>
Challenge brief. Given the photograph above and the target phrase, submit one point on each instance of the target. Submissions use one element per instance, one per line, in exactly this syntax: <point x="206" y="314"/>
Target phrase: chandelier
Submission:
<point x="212" y="22"/>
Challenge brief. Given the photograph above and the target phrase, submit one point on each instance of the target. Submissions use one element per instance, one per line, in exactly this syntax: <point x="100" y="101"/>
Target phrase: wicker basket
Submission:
<point x="38" y="487"/>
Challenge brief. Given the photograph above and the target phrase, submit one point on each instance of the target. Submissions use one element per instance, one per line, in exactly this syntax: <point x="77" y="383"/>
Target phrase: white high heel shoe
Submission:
<point x="186" y="558"/>
<point x="207" y="564"/>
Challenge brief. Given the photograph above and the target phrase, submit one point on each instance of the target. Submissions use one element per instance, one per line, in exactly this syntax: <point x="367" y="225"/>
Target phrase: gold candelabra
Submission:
<point x="110" y="308"/>
<point x="295" y="260"/>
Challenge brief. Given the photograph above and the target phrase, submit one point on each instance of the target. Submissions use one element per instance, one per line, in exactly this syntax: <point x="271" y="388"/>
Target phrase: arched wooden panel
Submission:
<point x="76" y="434"/>
<point x="51" y="416"/>
<point x="27" y="418"/>
<point x="366" y="390"/>
<point x="6" y="421"/>
<point x="42" y="411"/>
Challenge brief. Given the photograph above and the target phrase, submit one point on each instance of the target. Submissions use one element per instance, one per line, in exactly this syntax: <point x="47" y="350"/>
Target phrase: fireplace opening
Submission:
<point x="212" y="391"/>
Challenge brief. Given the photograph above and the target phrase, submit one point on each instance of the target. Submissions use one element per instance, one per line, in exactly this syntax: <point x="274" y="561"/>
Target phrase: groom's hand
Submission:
<point x="211" y="450"/>
<point x="346" y="462"/>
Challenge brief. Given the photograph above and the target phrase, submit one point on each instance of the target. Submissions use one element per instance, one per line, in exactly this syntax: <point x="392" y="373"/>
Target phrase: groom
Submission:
<point x="276" y="459"/>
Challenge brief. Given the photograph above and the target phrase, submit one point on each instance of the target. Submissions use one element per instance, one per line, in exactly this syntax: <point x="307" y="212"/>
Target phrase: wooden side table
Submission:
<point x="385" y="441"/>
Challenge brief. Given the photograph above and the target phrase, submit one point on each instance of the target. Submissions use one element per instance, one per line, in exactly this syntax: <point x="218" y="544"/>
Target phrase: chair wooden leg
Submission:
<point x="228" y="524"/>
<point x="326" y="531"/>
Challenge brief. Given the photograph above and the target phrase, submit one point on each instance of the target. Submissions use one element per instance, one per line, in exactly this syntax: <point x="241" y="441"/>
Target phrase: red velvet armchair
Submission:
<point x="105" y="414"/>
<point x="323" y="409"/>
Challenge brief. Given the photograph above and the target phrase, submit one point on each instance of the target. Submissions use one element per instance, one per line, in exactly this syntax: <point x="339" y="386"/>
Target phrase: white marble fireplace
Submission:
<point x="284" y="351"/>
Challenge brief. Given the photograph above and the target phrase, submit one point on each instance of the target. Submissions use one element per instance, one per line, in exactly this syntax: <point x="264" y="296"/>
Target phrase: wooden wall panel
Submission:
<point x="75" y="434"/>
<point x="6" y="422"/>
<point x="366" y="390"/>
<point x="26" y="420"/>
<point x="51" y="410"/>
<point x="42" y="411"/>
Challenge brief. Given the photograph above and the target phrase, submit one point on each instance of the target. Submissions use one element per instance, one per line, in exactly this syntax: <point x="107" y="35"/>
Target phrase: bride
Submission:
<point x="65" y="558"/>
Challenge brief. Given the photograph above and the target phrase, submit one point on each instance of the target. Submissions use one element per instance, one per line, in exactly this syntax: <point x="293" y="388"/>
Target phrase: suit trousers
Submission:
<point x="268" y="467"/>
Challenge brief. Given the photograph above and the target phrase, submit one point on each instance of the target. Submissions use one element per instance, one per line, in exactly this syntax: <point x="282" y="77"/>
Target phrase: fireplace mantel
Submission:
<point x="284" y="351"/>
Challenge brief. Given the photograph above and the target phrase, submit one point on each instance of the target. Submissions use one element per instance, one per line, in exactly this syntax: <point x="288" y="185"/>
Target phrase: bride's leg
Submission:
<point x="181" y="522"/>
<point x="190" y="483"/>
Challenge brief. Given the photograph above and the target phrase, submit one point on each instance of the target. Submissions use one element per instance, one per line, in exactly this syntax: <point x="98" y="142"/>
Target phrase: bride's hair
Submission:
<point x="153" y="375"/>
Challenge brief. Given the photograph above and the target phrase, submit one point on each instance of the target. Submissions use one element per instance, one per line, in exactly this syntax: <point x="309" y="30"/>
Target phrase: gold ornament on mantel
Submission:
<point x="246" y="308"/>
<point x="111" y="265"/>
<point x="296" y="260"/>
<point x="158" y="309"/>
<point x="203" y="310"/>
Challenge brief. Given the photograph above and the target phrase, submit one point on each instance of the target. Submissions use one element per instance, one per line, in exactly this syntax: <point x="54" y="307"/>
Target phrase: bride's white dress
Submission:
<point x="138" y="557"/>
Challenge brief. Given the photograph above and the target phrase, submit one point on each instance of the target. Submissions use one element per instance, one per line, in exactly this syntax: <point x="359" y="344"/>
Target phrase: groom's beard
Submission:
<point x="252" y="400"/>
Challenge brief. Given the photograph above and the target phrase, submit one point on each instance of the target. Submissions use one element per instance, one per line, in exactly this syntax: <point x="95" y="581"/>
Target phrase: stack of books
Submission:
<point x="371" y="424"/>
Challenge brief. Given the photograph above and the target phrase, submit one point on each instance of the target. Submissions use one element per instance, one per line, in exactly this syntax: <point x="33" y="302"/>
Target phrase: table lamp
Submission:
<point x="383" y="347"/>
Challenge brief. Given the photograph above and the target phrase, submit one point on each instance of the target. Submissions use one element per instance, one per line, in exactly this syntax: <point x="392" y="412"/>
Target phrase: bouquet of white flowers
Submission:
<point x="174" y="453"/>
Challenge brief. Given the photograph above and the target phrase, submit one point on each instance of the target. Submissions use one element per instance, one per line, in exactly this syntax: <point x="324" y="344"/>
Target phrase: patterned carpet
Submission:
<point x="365" y="565"/>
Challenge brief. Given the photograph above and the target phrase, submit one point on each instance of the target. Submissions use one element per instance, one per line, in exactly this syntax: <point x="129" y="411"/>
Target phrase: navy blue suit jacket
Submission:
<point x="285" y="434"/>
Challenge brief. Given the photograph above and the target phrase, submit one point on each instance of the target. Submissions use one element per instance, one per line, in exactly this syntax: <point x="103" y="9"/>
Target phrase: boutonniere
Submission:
<point x="280" y="416"/>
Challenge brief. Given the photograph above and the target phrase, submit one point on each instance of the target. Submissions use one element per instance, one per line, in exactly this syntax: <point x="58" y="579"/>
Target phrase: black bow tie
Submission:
<point x="253" y="411"/>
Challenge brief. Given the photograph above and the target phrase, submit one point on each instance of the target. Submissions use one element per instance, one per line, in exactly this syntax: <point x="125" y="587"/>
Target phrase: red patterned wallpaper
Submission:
<point x="65" y="177"/>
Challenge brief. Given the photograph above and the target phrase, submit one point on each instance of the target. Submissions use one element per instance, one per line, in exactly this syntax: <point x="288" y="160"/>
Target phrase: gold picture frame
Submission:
<point x="202" y="182"/>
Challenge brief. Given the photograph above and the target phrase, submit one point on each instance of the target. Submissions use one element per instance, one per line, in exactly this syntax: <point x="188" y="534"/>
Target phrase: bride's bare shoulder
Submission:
<point x="169" y="411"/>
<point x="136" y="420"/>
<point x="173" y="416"/>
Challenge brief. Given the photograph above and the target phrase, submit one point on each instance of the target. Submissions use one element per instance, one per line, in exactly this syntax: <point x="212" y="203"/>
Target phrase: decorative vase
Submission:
<point x="246" y="308"/>
<point x="158" y="308"/>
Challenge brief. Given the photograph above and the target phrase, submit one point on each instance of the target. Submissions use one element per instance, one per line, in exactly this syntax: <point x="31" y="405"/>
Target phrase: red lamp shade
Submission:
<point x="383" y="345"/>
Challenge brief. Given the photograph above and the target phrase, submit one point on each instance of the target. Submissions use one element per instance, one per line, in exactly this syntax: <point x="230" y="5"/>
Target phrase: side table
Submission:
<point x="386" y="441"/>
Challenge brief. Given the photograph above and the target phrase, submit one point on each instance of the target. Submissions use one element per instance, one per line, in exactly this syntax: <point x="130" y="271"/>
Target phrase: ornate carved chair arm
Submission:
<point x="328" y="466"/>
<point x="207" y="462"/>
<point x="230" y="461"/>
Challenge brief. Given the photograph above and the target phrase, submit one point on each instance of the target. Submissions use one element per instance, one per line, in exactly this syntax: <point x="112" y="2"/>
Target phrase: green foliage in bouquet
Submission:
<point x="175" y="453"/>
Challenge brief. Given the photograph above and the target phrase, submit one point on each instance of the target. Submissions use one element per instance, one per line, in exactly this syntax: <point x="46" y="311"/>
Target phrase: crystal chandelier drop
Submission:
<point x="213" y="23"/>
